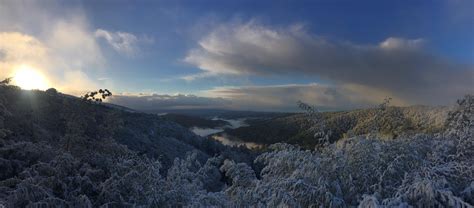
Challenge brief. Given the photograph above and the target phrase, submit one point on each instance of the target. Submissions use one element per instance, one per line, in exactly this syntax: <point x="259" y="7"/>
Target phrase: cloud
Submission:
<point x="16" y="48"/>
<point x="400" y="66"/>
<point x="124" y="43"/>
<point x="162" y="102"/>
<point x="3" y="54"/>
<point x="73" y="41"/>
<point x="198" y="76"/>
<point x="401" y="44"/>
<point x="56" y="41"/>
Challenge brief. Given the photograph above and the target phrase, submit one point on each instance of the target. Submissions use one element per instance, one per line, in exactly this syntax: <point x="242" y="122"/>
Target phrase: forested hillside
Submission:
<point x="59" y="151"/>
<point x="299" y="128"/>
<point x="39" y="128"/>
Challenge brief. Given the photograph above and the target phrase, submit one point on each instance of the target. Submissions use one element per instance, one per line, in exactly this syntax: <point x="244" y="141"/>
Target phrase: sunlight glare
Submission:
<point x="29" y="78"/>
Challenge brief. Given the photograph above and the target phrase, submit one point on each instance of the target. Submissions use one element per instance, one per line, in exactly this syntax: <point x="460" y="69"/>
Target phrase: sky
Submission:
<point x="243" y="55"/>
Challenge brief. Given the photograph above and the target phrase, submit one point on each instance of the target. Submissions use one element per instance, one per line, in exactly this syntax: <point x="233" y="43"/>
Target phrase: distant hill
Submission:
<point x="299" y="128"/>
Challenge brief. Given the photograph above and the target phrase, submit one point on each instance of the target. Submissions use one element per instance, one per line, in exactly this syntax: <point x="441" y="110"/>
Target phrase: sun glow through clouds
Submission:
<point x="29" y="78"/>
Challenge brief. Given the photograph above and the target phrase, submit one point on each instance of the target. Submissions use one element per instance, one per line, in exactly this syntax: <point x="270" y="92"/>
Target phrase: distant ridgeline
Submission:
<point x="61" y="151"/>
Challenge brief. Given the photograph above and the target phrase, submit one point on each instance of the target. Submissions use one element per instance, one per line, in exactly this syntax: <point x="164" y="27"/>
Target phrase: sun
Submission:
<point x="29" y="78"/>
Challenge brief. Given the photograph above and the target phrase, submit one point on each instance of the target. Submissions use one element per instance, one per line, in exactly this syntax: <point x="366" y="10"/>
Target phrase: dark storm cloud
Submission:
<point x="402" y="67"/>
